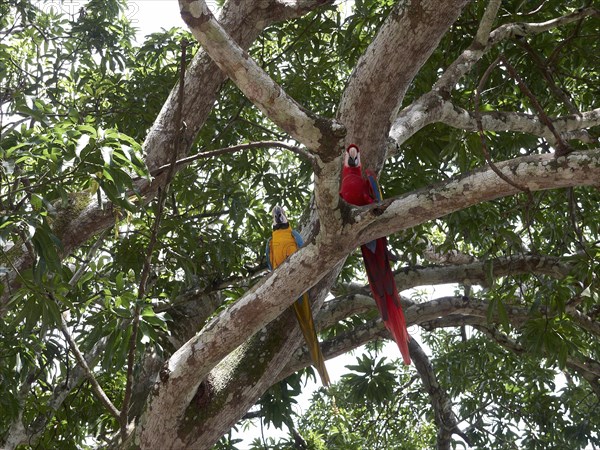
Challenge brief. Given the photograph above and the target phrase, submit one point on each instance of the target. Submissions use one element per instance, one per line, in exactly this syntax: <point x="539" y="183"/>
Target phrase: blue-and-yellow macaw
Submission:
<point x="358" y="189"/>
<point x="283" y="242"/>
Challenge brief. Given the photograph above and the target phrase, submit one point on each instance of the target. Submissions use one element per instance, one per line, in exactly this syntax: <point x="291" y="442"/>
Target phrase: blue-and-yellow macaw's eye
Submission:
<point x="279" y="217"/>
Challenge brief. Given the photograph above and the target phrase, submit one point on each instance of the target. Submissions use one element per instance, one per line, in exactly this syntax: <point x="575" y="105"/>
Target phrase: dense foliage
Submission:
<point x="77" y="97"/>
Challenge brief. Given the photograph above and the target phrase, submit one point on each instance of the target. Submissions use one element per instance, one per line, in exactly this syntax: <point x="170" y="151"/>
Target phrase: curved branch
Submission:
<point x="467" y="60"/>
<point x="568" y="126"/>
<point x="478" y="272"/>
<point x="430" y="107"/>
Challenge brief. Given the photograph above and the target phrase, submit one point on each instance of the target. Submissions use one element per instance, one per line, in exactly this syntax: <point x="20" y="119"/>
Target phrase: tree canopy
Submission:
<point x="136" y="187"/>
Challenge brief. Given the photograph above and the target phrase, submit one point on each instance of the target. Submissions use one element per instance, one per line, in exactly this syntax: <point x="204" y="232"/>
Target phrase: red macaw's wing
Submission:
<point x="374" y="189"/>
<point x="385" y="293"/>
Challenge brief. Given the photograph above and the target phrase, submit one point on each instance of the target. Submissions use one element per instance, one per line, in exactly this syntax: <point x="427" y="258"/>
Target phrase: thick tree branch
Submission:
<point x="525" y="29"/>
<point x="317" y="134"/>
<point x="185" y="370"/>
<point x="537" y="172"/>
<point x="266" y="353"/>
<point x="486" y="23"/>
<point x="571" y="127"/>
<point x="431" y="108"/>
<point x="411" y="32"/>
<point x="478" y="272"/>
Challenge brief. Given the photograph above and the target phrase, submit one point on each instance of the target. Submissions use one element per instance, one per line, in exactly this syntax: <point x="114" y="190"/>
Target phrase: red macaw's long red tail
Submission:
<point x="385" y="292"/>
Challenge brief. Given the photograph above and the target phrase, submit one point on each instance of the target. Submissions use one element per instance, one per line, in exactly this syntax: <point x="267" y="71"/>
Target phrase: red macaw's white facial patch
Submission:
<point x="352" y="158"/>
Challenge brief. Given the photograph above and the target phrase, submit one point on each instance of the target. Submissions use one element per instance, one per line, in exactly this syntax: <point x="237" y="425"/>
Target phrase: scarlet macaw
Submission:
<point x="358" y="190"/>
<point x="283" y="243"/>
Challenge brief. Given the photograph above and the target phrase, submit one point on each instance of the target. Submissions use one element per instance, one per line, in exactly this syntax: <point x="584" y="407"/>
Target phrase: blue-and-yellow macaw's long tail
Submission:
<point x="307" y="325"/>
<point x="285" y="241"/>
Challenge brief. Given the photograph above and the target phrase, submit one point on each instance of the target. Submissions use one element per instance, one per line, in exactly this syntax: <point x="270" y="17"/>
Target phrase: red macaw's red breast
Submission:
<point x="355" y="188"/>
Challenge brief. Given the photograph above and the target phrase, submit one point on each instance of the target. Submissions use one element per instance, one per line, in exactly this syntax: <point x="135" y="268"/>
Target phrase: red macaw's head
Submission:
<point x="279" y="217"/>
<point x="352" y="157"/>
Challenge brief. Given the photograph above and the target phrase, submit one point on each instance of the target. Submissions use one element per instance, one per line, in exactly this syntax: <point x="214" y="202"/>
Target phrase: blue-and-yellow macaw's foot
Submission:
<point x="283" y="242"/>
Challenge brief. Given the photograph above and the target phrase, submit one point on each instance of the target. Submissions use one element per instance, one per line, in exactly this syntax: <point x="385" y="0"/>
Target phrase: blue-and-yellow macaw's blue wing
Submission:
<point x="283" y="242"/>
<point x="298" y="238"/>
<point x="268" y="254"/>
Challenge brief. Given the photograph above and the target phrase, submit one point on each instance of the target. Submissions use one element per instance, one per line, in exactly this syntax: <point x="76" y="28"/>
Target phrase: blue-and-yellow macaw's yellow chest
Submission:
<point x="282" y="245"/>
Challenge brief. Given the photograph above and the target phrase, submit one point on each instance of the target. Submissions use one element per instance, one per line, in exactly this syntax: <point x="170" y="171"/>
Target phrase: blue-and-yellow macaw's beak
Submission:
<point x="279" y="218"/>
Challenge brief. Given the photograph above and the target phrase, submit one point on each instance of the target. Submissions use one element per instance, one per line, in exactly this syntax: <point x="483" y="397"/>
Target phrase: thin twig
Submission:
<point x="556" y="52"/>
<point x="484" y="147"/>
<point x="543" y="67"/>
<point x="86" y="369"/>
<point x="124" y="416"/>
<point x="562" y="148"/>
<point x="93" y="249"/>
<point x="233" y="149"/>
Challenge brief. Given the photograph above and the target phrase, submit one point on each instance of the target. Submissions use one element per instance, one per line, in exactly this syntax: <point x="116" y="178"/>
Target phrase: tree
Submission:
<point x="135" y="304"/>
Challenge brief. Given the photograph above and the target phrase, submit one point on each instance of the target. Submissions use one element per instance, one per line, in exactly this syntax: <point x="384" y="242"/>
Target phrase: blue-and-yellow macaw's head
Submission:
<point x="279" y="219"/>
